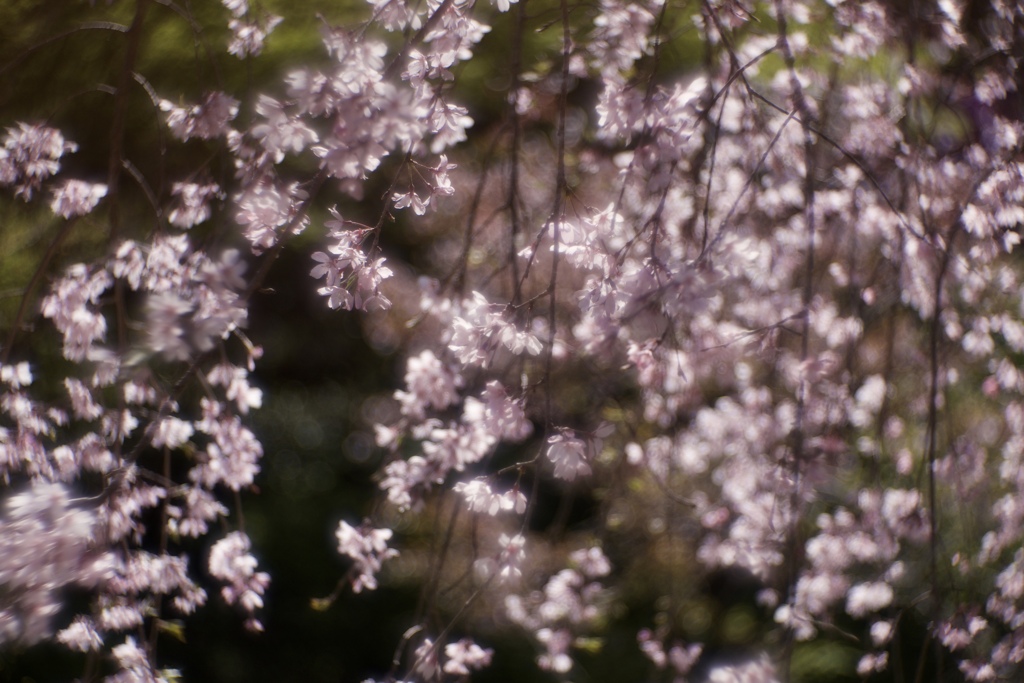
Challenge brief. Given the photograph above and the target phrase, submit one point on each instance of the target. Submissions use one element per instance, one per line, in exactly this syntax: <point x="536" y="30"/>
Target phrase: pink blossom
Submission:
<point x="758" y="670"/>
<point x="172" y="432"/>
<point x="281" y="133"/>
<point x="168" y="325"/>
<point x="556" y="642"/>
<point x="46" y="543"/>
<point x="368" y="549"/>
<point x="868" y="597"/>
<point x="351" y="278"/>
<point x="237" y="7"/>
<point x="81" y="635"/>
<point x="442" y="184"/>
<point x="477" y="333"/>
<point x="395" y="16"/>
<point x="249" y="34"/>
<point x="192" y="203"/>
<point x="17" y="375"/>
<point x="192" y="517"/>
<point x="411" y="199"/>
<point x="134" y="663"/>
<point x="786" y="292"/>
<point x="448" y="122"/>
<point x="430" y="386"/>
<point x="881" y="633"/>
<point x="72" y="306"/>
<point x="231" y="562"/>
<point x="82" y="402"/>
<point x="592" y="562"/>
<point x="232" y="456"/>
<point x="480" y="498"/>
<point x="204" y="121"/>
<point x="266" y="207"/>
<point x="31" y="153"/>
<point x="76" y="198"/>
<point x="236" y="386"/>
<point x="569" y="455"/>
<point x="511" y="556"/>
<point x="465" y="656"/>
<point x="872" y="662"/>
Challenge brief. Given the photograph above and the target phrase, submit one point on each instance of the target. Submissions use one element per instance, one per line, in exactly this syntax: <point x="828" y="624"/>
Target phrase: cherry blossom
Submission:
<point x="465" y="656"/>
<point x="47" y="542"/>
<point x="741" y="275"/>
<point x="204" y="121"/>
<point x="192" y="204"/>
<point x="31" y="154"/>
<point x="511" y="556"/>
<point x="368" y="549"/>
<point x="569" y="455"/>
<point x="231" y="562"/>
<point x="248" y="31"/>
<point x="76" y="198"/>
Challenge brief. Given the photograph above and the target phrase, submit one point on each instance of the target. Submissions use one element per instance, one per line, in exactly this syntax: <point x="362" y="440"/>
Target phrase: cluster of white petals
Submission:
<point x="47" y="543"/>
<point x="192" y="203"/>
<point x="756" y="314"/>
<point x="569" y="455"/>
<point x="248" y="31"/>
<point x="352" y="279"/>
<point x="205" y="121"/>
<point x="76" y="198"/>
<point x="571" y="603"/>
<point x="30" y="154"/>
<point x="368" y="549"/>
<point x="231" y="562"/>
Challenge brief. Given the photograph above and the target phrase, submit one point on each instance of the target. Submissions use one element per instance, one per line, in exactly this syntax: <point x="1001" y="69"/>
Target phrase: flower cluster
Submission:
<point x="46" y="543"/>
<point x="232" y="563"/>
<point x="368" y="549"/>
<point x="570" y="604"/>
<point x="351" y="278"/>
<point x="204" y="121"/>
<point x="756" y="314"/>
<point x="247" y="30"/>
<point x="460" y="659"/>
<point x="31" y="154"/>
